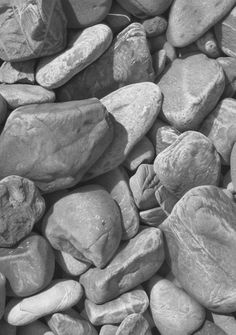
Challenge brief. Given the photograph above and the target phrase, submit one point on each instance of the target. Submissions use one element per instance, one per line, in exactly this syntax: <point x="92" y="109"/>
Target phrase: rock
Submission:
<point x="127" y="61"/>
<point x="173" y="310"/>
<point x="165" y="199"/>
<point x="135" y="262"/>
<point x="17" y="95"/>
<point x="86" y="224"/>
<point x="198" y="84"/>
<point x="145" y="9"/>
<point x="52" y="153"/>
<point x="134" y="108"/>
<point x="208" y="45"/>
<point x="59" y="295"/>
<point x="29" y="267"/>
<point x="209" y="328"/>
<point x="83" y="48"/>
<point x="116" y="182"/>
<point x="229" y="65"/>
<point x="219" y="128"/>
<point x="155" y="26"/>
<point x="69" y="264"/>
<point x="134" y="324"/>
<point x="2" y="295"/>
<point x="190" y="161"/>
<point x="82" y="13"/>
<point x="34" y="328"/>
<point x="115" y="311"/>
<point x="202" y="255"/>
<point x="159" y="59"/>
<point x="108" y="330"/>
<point x="18" y="72"/>
<point x="31" y="29"/>
<point x="152" y="217"/>
<point x="226" y="322"/>
<point x="143" y="185"/>
<point x="21" y="207"/>
<point x="6" y="329"/>
<point x="188" y="19"/>
<point x="118" y="18"/>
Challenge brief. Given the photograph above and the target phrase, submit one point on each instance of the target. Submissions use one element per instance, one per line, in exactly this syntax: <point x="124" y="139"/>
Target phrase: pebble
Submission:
<point x="152" y="217"/>
<point x="165" y="199"/>
<point x="226" y="322"/>
<point x="232" y="164"/>
<point x="3" y="110"/>
<point x="229" y="65"/>
<point x="208" y="45"/>
<point x="209" y="328"/>
<point x="34" y="328"/>
<point x="146" y="8"/>
<point x="18" y="72"/>
<point x="159" y="60"/>
<point x="134" y="324"/>
<point x="118" y="18"/>
<point x="155" y="26"/>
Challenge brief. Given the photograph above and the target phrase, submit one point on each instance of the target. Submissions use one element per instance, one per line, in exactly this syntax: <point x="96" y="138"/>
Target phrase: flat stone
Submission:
<point x="208" y="45"/>
<point x="134" y="324"/>
<point x="83" y="48"/>
<point x="108" y="330"/>
<point x="145" y="9"/>
<point x="152" y="217"/>
<point x="209" y="328"/>
<point x="118" y="18"/>
<point x="69" y="264"/>
<point x="6" y="329"/>
<point x="34" y="328"/>
<point x="135" y="262"/>
<point x="18" y="72"/>
<point x="29" y="267"/>
<point x="191" y="87"/>
<point x="190" y="19"/>
<point x="2" y="295"/>
<point x="229" y="67"/>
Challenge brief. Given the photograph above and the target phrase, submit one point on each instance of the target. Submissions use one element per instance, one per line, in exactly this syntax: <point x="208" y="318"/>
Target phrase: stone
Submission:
<point x="31" y="29"/>
<point x="6" y="329"/>
<point x="69" y="264"/>
<point x="3" y="110"/>
<point x="118" y="18"/>
<point x="155" y="26"/>
<point x="18" y="72"/>
<point x="21" y="206"/>
<point x="116" y="182"/>
<point x="219" y="128"/>
<point x="200" y="239"/>
<point x="229" y="65"/>
<point x="83" y="48"/>
<point x="115" y="311"/>
<point x="190" y="19"/>
<point x="17" y="95"/>
<point x="226" y="322"/>
<point x="166" y="200"/>
<point x="190" y="161"/>
<point x="134" y="324"/>
<point x="145" y="9"/>
<point x="34" y="328"/>
<point x="209" y="328"/>
<point x="59" y="296"/>
<point x="173" y="310"/>
<point x="198" y="84"/>
<point x="82" y="13"/>
<point x="2" y="295"/>
<point x="135" y="262"/>
<point x="152" y="217"/>
<point x="126" y="61"/>
<point x="134" y="108"/>
<point x="143" y="185"/>
<point x="86" y="224"/>
<point x="208" y="45"/>
<point x="52" y="153"/>
<point x="108" y="330"/>
<point x="159" y="60"/>
<point x="28" y="267"/>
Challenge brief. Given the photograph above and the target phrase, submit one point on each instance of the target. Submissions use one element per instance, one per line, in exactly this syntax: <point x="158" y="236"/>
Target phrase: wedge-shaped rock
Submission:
<point x="165" y="199"/>
<point x="143" y="9"/>
<point x="118" y="18"/>
<point x="135" y="262"/>
<point x="201" y="242"/>
<point x="190" y="19"/>
<point x="47" y="142"/>
<point x="134" y="108"/>
<point x="134" y="324"/>
<point x="190" y="161"/>
<point x="127" y="61"/>
<point x="198" y="84"/>
<point x="83" y="48"/>
<point x="34" y="328"/>
<point x="18" y="72"/>
<point x="86" y="224"/>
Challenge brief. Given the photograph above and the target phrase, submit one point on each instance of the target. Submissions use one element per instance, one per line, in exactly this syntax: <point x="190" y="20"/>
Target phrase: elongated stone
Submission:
<point x="134" y="324"/>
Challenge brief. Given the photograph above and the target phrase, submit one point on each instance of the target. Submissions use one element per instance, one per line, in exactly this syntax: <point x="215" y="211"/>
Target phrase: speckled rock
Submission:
<point x="208" y="45"/>
<point x="108" y="330"/>
<point x="118" y="18"/>
<point x="202" y="256"/>
<point x="198" y="84"/>
<point x="155" y="26"/>
<point x="6" y="329"/>
<point x="229" y="66"/>
<point x="152" y="217"/>
<point x="134" y="324"/>
<point x="165" y="199"/>
<point x="34" y="328"/>
<point x="226" y="322"/>
<point x="2" y="295"/>
<point x="209" y="328"/>
<point x="135" y="262"/>
<point x="18" y="72"/>
<point x="69" y="264"/>
<point x="190" y="19"/>
<point x="83" y="48"/>
<point x="146" y="8"/>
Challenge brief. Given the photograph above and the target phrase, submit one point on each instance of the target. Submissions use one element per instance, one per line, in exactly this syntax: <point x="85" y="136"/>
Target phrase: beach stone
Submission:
<point x="202" y="256"/>
<point x="209" y="328"/>
<point x="59" y="296"/>
<point x="69" y="264"/>
<point x="219" y="128"/>
<point x="83" y="48"/>
<point x="52" y="153"/>
<point x="143" y="185"/>
<point x="134" y="324"/>
<point x="126" y="61"/>
<point x="226" y="322"/>
<point x="86" y="224"/>
<point x="152" y="217"/>
<point x="115" y="311"/>
<point x="145" y="8"/>
<point x="159" y="59"/>
<point x="18" y="72"/>
<point x="108" y="330"/>
<point x="199" y="83"/>
<point x="2" y="295"/>
<point x="135" y="262"/>
<point x="173" y="310"/>
<point x="116" y="182"/>
<point x="190" y="161"/>
<point x="134" y="108"/>
<point x="82" y="13"/>
<point x="190" y="19"/>
<point x="28" y="267"/>
<point x="34" y="328"/>
<point x="166" y="200"/>
<point x="17" y="95"/>
<point x="118" y="18"/>
<point x="208" y="45"/>
<point x="21" y="207"/>
<point x="229" y="66"/>
<point x="155" y="26"/>
<point x="6" y="329"/>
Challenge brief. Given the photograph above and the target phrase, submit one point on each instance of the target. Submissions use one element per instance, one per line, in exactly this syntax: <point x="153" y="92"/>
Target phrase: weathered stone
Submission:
<point x="29" y="267"/>
<point x="145" y="9"/>
<point x="34" y="328"/>
<point x="134" y="324"/>
<point x="2" y="295"/>
<point x="159" y="59"/>
<point x="165" y="199"/>
<point x="69" y="264"/>
<point x="208" y="45"/>
<point x="47" y="142"/>
<point x="108" y="330"/>
<point x="153" y="217"/>
<point x="229" y="66"/>
<point x="155" y="26"/>
<point x="83" y="48"/>
<point x="6" y="329"/>
<point x="118" y="18"/>
<point x="21" y="206"/>
<point x="209" y="328"/>
<point x="135" y="262"/>
<point x="226" y="322"/>
<point x="198" y="84"/>
<point x="18" y="72"/>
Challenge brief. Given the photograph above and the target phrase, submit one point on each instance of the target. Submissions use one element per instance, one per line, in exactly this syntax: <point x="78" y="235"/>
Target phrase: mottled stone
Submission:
<point x="159" y="60"/>
<point x="6" y="329"/>
<point x="29" y="267"/>
<point x="226" y="322"/>
<point x="135" y="262"/>
<point x="108" y="330"/>
<point x="190" y="19"/>
<point x="46" y="142"/>
<point x="18" y="72"/>
<point x="165" y="199"/>
<point x="118" y="18"/>
<point x="2" y="295"/>
<point x="127" y="61"/>
<point x="83" y="48"/>
<point x="200" y="238"/>
<point x="153" y="217"/>
<point x="69" y="264"/>
<point x="59" y="295"/>
<point x="155" y="26"/>
<point x="34" y="328"/>
<point x="134" y="324"/>
<point x="209" y="328"/>
<point x="229" y="66"/>
<point x="208" y="45"/>
<point x="191" y="87"/>
<point x="146" y="8"/>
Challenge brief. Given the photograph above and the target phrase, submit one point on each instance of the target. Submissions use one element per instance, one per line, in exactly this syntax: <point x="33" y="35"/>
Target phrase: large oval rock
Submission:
<point x="47" y="142"/>
<point x="134" y="324"/>
<point x="145" y="8"/>
<point x="201" y="243"/>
